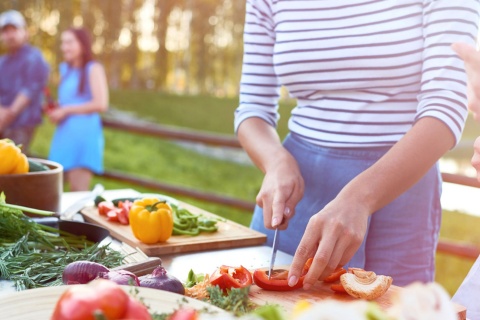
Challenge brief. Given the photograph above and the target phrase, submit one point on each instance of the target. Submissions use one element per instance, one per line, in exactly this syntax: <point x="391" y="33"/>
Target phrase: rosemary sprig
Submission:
<point x="33" y="255"/>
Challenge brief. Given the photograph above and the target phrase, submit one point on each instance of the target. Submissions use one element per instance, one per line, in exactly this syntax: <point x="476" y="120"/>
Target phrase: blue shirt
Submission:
<point x="24" y="71"/>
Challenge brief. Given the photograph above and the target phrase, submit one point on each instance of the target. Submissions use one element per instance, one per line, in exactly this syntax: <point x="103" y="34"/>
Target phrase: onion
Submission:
<point x="122" y="277"/>
<point x="159" y="279"/>
<point x="81" y="272"/>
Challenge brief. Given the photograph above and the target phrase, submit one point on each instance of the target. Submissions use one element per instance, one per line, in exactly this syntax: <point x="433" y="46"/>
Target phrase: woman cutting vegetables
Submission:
<point x="380" y="98"/>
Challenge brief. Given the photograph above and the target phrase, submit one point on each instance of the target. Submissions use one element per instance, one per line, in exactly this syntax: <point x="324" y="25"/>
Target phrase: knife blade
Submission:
<point x="274" y="253"/>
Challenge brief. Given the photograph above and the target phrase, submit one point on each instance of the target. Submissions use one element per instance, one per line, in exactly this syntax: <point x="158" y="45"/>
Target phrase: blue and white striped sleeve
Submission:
<point x="259" y="87"/>
<point x="444" y="82"/>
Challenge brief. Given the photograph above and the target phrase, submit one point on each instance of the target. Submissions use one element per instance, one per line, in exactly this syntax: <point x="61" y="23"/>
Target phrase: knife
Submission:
<point x="274" y="253"/>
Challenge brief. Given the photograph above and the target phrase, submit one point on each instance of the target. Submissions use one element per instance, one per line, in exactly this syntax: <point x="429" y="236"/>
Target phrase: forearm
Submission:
<point x="261" y="142"/>
<point x="19" y="104"/>
<point x="86" y="108"/>
<point x="401" y="167"/>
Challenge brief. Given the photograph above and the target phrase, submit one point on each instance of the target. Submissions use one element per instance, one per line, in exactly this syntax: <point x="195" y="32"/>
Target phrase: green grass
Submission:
<point x="167" y="162"/>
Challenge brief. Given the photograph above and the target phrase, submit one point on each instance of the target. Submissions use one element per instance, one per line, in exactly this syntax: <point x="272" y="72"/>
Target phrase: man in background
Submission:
<point x="23" y="76"/>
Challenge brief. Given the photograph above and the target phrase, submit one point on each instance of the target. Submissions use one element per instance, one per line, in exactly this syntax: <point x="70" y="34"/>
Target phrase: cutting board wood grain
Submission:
<point x="321" y="291"/>
<point x="229" y="235"/>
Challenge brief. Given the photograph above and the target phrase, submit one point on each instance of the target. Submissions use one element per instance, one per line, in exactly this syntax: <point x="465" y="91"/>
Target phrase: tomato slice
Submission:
<point x="231" y="277"/>
<point x="184" y="314"/>
<point x="104" y="207"/>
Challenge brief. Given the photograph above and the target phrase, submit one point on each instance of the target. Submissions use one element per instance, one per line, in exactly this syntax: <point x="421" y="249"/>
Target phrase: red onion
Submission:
<point x="122" y="277"/>
<point x="159" y="279"/>
<point x="81" y="272"/>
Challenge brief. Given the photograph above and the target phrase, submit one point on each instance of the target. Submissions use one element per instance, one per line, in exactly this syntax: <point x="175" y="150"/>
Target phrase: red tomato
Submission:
<point x="104" y="207"/>
<point x="77" y="303"/>
<point x="82" y="302"/>
<point x="122" y="214"/>
<point x="112" y="215"/>
<point x="112" y="299"/>
<point x="136" y="311"/>
<point x="184" y="314"/>
<point x="230" y="277"/>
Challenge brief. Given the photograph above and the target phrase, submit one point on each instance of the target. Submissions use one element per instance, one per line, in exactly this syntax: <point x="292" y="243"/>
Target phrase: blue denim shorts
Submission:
<point x="401" y="238"/>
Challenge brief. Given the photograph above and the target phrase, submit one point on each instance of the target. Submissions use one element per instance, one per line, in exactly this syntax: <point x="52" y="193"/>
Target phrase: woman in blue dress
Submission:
<point x="82" y="94"/>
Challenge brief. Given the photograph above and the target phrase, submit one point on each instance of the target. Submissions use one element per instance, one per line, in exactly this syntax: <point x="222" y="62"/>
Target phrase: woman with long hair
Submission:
<point x="82" y="94"/>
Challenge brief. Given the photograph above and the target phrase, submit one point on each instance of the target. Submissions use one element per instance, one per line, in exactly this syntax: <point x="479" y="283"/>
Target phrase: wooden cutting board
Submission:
<point x="321" y="291"/>
<point x="229" y="235"/>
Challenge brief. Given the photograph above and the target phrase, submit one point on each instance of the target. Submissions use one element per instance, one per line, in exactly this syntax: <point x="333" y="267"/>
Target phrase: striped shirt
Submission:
<point x="362" y="71"/>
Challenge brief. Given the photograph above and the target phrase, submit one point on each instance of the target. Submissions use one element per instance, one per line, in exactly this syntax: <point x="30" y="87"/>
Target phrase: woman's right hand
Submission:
<point x="281" y="190"/>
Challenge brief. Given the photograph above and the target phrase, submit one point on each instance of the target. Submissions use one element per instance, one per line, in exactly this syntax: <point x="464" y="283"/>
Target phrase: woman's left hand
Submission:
<point x="332" y="237"/>
<point x="57" y="115"/>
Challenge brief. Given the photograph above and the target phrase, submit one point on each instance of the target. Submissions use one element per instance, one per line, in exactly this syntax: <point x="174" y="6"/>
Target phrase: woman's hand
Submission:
<point x="281" y="190"/>
<point x="471" y="57"/>
<point x="332" y="237"/>
<point x="57" y="115"/>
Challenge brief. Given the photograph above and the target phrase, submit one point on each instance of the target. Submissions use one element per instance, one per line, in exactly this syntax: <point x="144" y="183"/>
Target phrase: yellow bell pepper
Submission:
<point x="12" y="160"/>
<point x="151" y="220"/>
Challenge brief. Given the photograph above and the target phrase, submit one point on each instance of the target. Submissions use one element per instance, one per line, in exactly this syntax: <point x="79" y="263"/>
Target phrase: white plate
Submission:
<point x="38" y="304"/>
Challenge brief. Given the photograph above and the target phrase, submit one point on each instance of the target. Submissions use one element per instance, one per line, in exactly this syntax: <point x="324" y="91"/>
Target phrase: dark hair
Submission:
<point x="83" y="37"/>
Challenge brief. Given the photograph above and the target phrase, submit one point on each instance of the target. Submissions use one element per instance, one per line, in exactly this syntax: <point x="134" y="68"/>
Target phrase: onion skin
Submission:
<point x="121" y="277"/>
<point x="81" y="272"/>
<point x="159" y="279"/>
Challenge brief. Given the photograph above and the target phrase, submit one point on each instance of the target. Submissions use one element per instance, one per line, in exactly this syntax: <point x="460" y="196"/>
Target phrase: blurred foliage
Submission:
<point x="186" y="46"/>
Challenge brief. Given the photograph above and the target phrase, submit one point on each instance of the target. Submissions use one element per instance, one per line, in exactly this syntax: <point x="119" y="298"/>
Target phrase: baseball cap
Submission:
<point x="13" y="18"/>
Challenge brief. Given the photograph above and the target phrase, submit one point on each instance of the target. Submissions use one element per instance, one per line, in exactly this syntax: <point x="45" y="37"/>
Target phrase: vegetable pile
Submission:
<point x="33" y="255"/>
<point x="153" y="220"/>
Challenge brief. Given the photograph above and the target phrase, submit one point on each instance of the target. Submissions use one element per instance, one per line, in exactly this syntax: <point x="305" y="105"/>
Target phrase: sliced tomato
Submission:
<point x="112" y="216"/>
<point x="231" y="277"/>
<point x="122" y="214"/>
<point x="104" y="207"/>
<point x="335" y="275"/>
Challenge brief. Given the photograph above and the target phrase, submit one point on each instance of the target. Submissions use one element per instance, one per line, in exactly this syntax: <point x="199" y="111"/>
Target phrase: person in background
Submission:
<point x="381" y="97"/>
<point x="23" y="76"/>
<point x="82" y="94"/>
<point x="469" y="291"/>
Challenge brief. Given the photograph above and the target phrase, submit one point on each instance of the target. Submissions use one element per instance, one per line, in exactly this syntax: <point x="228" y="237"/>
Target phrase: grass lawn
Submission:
<point x="168" y="162"/>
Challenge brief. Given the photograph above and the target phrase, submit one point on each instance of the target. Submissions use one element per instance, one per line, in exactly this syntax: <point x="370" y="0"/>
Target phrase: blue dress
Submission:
<point x="78" y="141"/>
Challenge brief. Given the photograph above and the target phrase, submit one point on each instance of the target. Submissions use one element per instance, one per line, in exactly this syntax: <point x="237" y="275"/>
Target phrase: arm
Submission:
<point x="34" y="78"/>
<point x="282" y="187"/>
<point x="334" y="234"/>
<point x="99" y="102"/>
<point x="256" y="118"/>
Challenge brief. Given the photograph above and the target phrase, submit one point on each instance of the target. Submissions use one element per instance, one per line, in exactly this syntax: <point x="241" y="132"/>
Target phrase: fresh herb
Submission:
<point x="236" y="300"/>
<point x="4" y="204"/>
<point x="193" y="278"/>
<point x="33" y="255"/>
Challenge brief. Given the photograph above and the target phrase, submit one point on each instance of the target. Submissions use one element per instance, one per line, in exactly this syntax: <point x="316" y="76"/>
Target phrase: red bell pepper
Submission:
<point x="231" y="277"/>
<point x="279" y="279"/>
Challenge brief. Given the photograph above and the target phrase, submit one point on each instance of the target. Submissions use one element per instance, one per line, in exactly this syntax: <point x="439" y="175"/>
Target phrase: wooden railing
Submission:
<point x="459" y="249"/>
